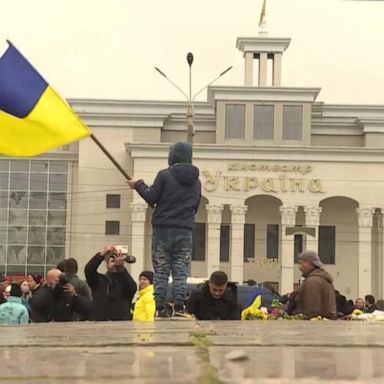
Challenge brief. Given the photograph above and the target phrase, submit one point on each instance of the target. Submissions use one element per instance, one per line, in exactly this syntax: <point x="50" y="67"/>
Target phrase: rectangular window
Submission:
<point x="327" y="243"/>
<point x="56" y="236"/>
<point x="198" y="249"/>
<point x="297" y="247"/>
<point x="112" y="227"/>
<point x="235" y="121"/>
<point x="57" y="201"/>
<point x="272" y="241"/>
<point x="224" y="243"/>
<point x="37" y="200"/>
<point x="19" y="165"/>
<point x="58" y="182"/>
<point x="4" y="180"/>
<point x="263" y="122"/>
<point x="113" y="201"/>
<point x="4" y="165"/>
<point x="249" y="241"/>
<point x="33" y="220"/>
<point x="19" y="181"/>
<point x="292" y="122"/>
<point x="3" y="217"/>
<point x="58" y="167"/>
<point x="38" y="182"/>
<point x="39" y="166"/>
<point x="4" y="199"/>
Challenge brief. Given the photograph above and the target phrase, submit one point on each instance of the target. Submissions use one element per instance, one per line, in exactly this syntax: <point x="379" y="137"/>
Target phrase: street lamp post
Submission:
<point x="190" y="127"/>
<point x="190" y="99"/>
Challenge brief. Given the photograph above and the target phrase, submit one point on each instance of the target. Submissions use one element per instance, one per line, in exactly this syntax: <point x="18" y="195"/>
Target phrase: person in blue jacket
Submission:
<point x="175" y="196"/>
<point x="13" y="311"/>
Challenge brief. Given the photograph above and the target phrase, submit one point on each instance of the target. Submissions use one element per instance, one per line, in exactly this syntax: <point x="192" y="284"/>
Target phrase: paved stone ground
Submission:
<point x="285" y="352"/>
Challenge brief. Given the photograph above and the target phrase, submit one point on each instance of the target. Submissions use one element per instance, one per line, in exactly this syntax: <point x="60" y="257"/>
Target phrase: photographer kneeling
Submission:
<point x="57" y="300"/>
<point x="112" y="292"/>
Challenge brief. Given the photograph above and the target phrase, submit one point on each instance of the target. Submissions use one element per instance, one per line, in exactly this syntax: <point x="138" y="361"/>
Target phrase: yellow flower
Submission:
<point x="253" y="311"/>
<point x="357" y="312"/>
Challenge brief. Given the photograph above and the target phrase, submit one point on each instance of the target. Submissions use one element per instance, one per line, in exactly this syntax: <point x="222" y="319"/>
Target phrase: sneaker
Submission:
<point x="181" y="313"/>
<point x="164" y="312"/>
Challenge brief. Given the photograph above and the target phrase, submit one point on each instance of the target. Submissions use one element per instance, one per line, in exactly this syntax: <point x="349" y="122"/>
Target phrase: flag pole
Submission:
<point x="110" y="157"/>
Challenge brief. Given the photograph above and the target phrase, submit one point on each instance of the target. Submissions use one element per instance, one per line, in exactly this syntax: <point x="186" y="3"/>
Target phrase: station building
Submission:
<point x="281" y="172"/>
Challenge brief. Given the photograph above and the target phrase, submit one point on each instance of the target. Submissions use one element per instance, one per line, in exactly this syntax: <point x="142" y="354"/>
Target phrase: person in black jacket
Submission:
<point x="58" y="300"/>
<point x="214" y="300"/>
<point x="175" y="196"/>
<point x="112" y="292"/>
<point x="370" y="303"/>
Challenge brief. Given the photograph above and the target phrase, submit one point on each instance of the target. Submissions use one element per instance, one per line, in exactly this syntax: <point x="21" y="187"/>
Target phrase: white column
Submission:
<point x="138" y="211"/>
<point x="312" y="220"/>
<point x="263" y="69"/>
<point x="213" y="237"/>
<point x="248" y="73"/>
<point x="276" y="79"/>
<point x="365" y="250"/>
<point x="237" y="242"/>
<point x="288" y="219"/>
<point x="380" y="253"/>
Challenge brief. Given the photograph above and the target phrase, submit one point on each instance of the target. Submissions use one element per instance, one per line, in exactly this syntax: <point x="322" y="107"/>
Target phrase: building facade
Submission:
<point x="281" y="172"/>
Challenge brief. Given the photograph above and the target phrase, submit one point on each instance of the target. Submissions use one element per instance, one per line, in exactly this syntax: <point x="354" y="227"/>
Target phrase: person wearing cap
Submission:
<point x="175" y="196"/>
<point x="13" y="311"/>
<point x="145" y="306"/>
<point x="316" y="296"/>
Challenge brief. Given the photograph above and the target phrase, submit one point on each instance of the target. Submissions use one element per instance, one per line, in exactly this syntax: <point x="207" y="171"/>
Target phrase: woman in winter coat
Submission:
<point x="145" y="306"/>
<point x="13" y="312"/>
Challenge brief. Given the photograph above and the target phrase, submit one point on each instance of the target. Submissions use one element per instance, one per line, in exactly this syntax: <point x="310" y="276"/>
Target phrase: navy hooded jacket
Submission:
<point x="176" y="191"/>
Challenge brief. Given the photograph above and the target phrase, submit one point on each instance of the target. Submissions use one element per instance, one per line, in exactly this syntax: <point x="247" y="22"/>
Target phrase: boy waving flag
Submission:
<point x="33" y="117"/>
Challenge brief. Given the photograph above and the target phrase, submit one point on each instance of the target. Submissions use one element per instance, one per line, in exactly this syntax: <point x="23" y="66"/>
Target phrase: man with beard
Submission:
<point x="214" y="300"/>
<point x="316" y="295"/>
<point x="112" y="292"/>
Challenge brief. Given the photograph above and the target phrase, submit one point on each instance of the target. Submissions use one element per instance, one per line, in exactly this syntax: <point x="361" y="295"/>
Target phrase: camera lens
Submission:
<point x="130" y="259"/>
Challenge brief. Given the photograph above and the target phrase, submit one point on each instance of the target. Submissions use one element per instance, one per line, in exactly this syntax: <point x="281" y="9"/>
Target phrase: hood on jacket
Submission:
<point x="14" y="299"/>
<point x="320" y="273"/>
<point x="186" y="174"/>
<point x="180" y="153"/>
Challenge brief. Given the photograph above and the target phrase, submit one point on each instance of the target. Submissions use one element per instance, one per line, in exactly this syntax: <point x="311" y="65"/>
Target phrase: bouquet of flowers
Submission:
<point x="254" y="312"/>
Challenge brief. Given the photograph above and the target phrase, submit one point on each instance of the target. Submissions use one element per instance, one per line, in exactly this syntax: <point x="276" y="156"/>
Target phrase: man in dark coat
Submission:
<point x="175" y="197"/>
<point x="370" y="303"/>
<point x="316" y="295"/>
<point x="70" y="268"/>
<point x="214" y="300"/>
<point x="58" y="300"/>
<point x="112" y="292"/>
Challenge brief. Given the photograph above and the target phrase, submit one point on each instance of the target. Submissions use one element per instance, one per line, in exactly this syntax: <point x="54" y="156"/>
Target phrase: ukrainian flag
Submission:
<point x="33" y="117"/>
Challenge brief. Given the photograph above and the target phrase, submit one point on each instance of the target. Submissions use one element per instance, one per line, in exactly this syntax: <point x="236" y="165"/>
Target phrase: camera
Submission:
<point x="130" y="259"/>
<point x="62" y="281"/>
<point x="124" y="250"/>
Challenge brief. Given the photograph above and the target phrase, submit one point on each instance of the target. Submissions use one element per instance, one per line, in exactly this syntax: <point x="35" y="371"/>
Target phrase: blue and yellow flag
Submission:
<point x="33" y="117"/>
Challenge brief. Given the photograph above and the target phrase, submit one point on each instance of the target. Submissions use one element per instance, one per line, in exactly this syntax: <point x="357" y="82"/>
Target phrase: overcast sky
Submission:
<point x="108" y="48"/>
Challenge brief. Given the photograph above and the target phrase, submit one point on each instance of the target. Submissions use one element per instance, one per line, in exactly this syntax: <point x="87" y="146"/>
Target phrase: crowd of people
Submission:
<point x="175" y="196"/>
<point x="63" y="296"/>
